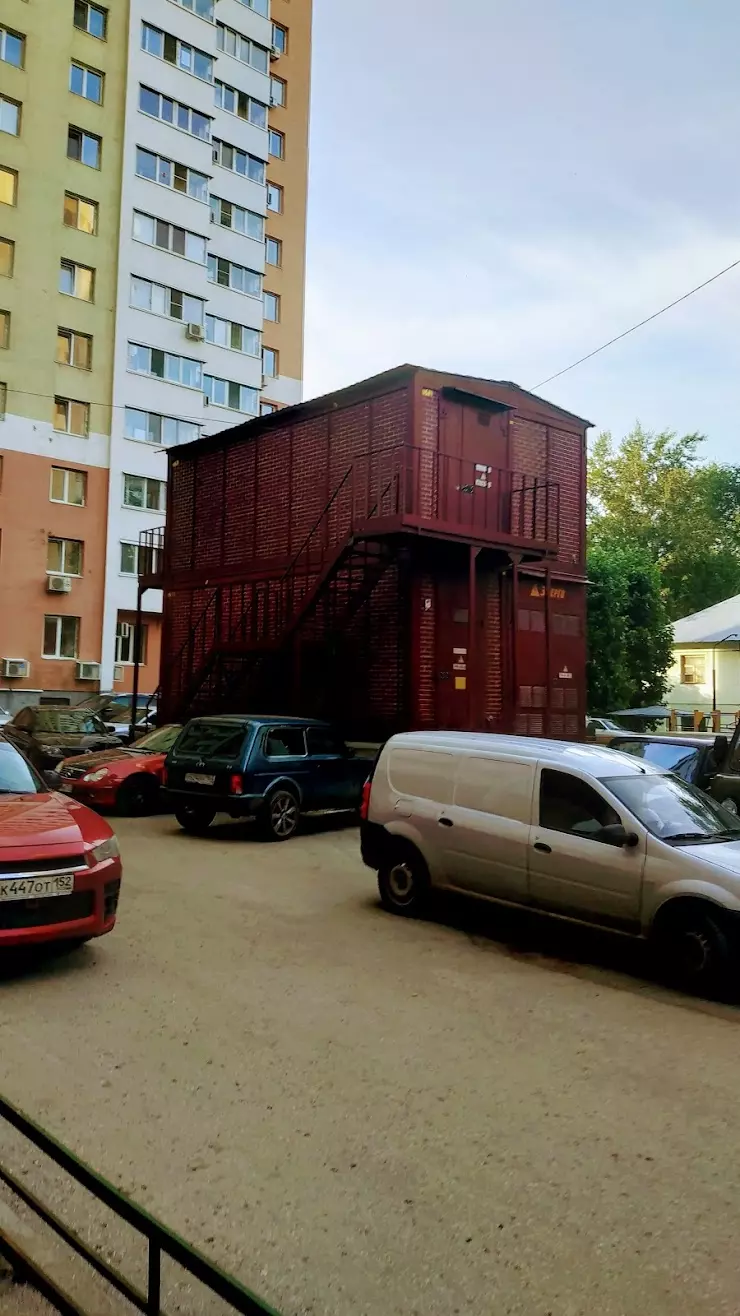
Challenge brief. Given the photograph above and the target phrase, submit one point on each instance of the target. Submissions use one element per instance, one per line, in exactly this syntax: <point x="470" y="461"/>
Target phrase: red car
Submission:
<point x="60" y="869"/>
<point x="128" y="780"/>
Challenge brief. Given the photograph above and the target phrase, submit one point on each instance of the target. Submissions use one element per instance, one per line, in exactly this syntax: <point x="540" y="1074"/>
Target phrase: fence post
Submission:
<point x="697" y="719"/>
<point x="673" y="724"/>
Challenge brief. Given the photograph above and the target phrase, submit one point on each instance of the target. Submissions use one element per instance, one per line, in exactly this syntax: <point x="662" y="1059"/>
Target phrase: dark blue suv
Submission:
<point x="274" y="768"/>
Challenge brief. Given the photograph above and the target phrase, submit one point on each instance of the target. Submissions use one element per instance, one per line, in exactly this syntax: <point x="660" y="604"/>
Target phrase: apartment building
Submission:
<point x="153" y="177"/>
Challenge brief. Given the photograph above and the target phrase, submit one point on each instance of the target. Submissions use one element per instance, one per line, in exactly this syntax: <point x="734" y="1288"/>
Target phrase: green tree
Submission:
<point x="651" y="492"/>
<point x="629" y="634"/>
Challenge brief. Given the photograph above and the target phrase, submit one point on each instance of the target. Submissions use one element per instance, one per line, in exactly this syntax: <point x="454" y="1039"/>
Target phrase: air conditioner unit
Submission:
<point x="16" y="667"/>
<point x="117" y="673"/>
<point x="195" y="332"/>
<point x="58" y="584"/>
<point x="275" y="52"/>
<point x="88" y="671"/>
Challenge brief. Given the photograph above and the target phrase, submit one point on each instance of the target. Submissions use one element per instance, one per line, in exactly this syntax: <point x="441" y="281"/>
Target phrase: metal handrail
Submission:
<point x="160" y="1238"/>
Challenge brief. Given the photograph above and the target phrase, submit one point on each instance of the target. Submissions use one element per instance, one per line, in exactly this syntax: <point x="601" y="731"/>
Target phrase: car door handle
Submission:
<point x="445" y="822"/>
<point x="543" y="849"/>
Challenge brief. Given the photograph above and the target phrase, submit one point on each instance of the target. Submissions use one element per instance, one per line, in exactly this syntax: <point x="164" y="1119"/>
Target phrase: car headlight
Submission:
<point x="105" y="850"/>
<point x="96" y="776"/>
<point x="52" y="750"/>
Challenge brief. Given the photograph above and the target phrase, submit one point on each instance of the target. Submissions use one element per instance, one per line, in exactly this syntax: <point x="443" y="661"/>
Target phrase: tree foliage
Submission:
<point x="629" y="634"/>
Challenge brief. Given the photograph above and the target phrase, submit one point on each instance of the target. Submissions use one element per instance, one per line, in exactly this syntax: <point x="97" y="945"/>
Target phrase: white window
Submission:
<point x="165" y="365"/>
<point x="228" y="275"/>
<point x="276" y="143"/>
<point x="693" y="668"/>
<point x="68" y="486"/>
<point x="126" y="640"/>
<point x="170" y="174"/>
<point x="80" y="214"/>
<point x="173" y="112"/>
<point x="259" y="6"/>
<point x="227" y="393"/>
<point x="83" y="146"/>
<point x="186" y="57"/>
<point x="143" y="493"/>
<point x="272" y="307"/>
<point x="274" y="251"/>
<point x="225" y="333"/>
<point x="7" y="257"/>
<point x="12" y="47"/>
<point x="239" y="103"/>
<point x="203" y="8"/>
<point x="278" y="91"/>
<point x="279" y="38"/>
<point x="129" y="559"/>
<point x="267" y="408"/>
<point x="270" y="363"/>
<point x="74" y="349"/>
<point x="86" y="82"/>
<point x="61" y="637"/>
<point x="149" y="427"/>
<point x="275" y="198"/>
<point x="72" y="417"/>
<point x="91" y="18"/>
<point x="239" y="162"/>
<point x="228" y="215"/>
<point x="158" y="233"/>
<point x="10" y="116"/>
<point x="249" y="52"/>
<point x="160" y="300"/>
<point x="8" y="186"/>
<point x="76" y="280"/>
<point x="63" y="557"/>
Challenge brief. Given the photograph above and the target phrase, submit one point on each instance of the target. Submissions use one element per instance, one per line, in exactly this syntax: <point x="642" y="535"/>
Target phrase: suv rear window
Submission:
<point x="212" y="740"/>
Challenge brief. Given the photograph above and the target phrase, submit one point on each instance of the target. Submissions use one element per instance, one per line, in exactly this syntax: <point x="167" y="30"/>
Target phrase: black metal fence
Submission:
<point x="159" y="1238"/>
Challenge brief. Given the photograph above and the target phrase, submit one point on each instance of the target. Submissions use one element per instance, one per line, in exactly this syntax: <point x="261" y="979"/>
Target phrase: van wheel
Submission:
<point x="195" y="818"/>
<point x="403" y="882"/>
<point x="694" y="942"/>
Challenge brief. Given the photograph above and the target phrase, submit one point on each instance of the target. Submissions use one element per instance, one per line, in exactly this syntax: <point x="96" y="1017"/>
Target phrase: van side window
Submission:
<point x="285" y="743"/>
<point x="568" y="804"/>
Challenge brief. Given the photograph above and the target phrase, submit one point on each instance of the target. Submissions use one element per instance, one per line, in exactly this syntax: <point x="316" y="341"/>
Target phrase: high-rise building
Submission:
<point x="153" y="178"/>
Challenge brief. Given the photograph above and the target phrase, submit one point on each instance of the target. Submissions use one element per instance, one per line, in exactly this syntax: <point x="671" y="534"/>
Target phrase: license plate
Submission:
<point x="66" y="787"/>
<point x="36" y="888"/>
<point x="200" y="778"/>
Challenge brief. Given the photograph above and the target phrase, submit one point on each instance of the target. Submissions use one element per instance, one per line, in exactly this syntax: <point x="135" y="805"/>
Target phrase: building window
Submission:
<point x="270" y="363"/>
<point x="278" y="92"/>
<point x="155" y="297"/>
<point x="228" y="275"/>
<point x="148" y="427"/>
<point x="242" y="48"/>
<point x="72" y="417"/>
<point x="74" y="349"/>
<point x="275" y="198"/>
<point x="272" y="307"/>
<point x="86" y="82"/>
<point x="10" y="116"/>
<point x="7" y="257"/>
<point x="203" y="8"/>
<point x="126" y="640"/>
<point x="3" y="399"/>
<point x="226" y="393"/>
<point x="4" y="328"/>
<point x="63" y="557"/>
<point x="231" y="216"/>
<point x="84" y="147"/>
<point x="158" y="233"/>
<point x="173" y="112"/>
<point x="61" y="637"/>
<point x="77" y="280"/>
<point x="68" y="486"/>
<point x="693" y="669"/>
<point x="279" y="38"/>
<point x="259" y="6"/>
<point x="237" y="102"/>
<point x="8" y="186"/>
<point x="267" y="408"/>
<point x="274" y="251"/>
<point x="239" y="162"/>
<point x="12" y="47"/>
<point x="129" y="559"/>
<point x="177" y="52"/>
<point x="165" y="365"/>
<point x="170" y="174"/>
<point x="225" y="333"/>
<point x="143" y="493"/>
<point x="80" y="214"/>
<point x="91" y="18"/>
<point x="276" y="143"/>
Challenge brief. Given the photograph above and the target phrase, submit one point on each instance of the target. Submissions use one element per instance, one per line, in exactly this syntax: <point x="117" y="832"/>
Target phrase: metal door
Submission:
<point x="452" y="657"/>
<point x="474" y="484"/>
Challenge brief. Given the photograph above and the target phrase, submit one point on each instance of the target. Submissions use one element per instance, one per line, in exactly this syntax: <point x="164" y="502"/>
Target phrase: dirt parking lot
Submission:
<point x="363" y="1116"/>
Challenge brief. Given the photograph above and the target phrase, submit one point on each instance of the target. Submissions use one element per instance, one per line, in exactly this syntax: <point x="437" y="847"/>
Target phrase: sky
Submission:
<point x="499" y="186"/>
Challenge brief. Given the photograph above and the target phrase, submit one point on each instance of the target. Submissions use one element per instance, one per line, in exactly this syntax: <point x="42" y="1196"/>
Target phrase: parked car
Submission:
<point x="116" y="711"/>
<point x="601" y="729"/>
<point x="47" y="733"/>
<point x="60" y="869"/>
<point x="578" y="831"/>
<point x="712" y="763"/>
<point x="128" y="780"/>
<point x="271" y="768"/>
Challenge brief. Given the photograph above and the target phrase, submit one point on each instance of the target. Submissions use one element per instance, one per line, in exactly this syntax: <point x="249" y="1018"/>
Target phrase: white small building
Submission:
<point x="705" y="673"/>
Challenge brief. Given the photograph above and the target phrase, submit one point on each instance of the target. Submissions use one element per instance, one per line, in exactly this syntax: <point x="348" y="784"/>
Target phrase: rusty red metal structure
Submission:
<point x="406" y="552"/>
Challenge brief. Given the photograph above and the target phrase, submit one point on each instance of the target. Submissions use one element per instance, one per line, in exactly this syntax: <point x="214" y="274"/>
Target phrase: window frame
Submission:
<point x="73" y="336"/>
<point x="6" y="32"/>
<point x="694" y="662"/>
<point x="218" y="203"/>
<point x="66" y="472"/>
<point x="239" y="43"/>
<point x="148" y="479"/>
<point x="178" y="45"/>
<point x="129" y="543"/>
<point x="171" y="230"/>
<point x="85" y="134"/>
<point x="278" y="137"/>
<point x="87" y="72"/>
<point x="10" y="244"/>
<point x="68" y="403"/>
<point x="13" y="176"/>
<point x="169" y="294"/>
<point x="280" y="46"/>
<point x="276" y="298"/>
<point x="174" y="166"/>
<point x="273" y="352"/>
<point x="84" y="201"/>
<point x="162" y="418"/>
<point x="66" y="264"/>
<point x="89" y="8"/>
<point x="274" y="731"/>
<point x="233" y="265"/>
<point x="130" y="640"/>
<point x="18" y="107"/>
<point x="280" y="190"/>
<point x="5" y="320"/>
<point x="236" y="92"/>
<point x="230" y="384"/>
<point x="231" y="326"/>
<point x="277" y="245"/>
<point x="177" y="105"/>
<point x="64" y="569"/>
<point x="220" y="149"/>
<point x="546" y="773"/>
<point x="60" y="618"/>
<point x="173" y="356"/>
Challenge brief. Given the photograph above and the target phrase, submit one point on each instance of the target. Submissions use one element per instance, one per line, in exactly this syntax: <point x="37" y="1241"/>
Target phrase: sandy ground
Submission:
<point x="361" y="1115"/>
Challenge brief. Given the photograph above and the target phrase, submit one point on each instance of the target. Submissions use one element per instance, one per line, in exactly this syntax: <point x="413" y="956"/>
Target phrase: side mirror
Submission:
<point x="52" y="779"/>
<point x="618" y="836"/>
<point x="110" y="729"/>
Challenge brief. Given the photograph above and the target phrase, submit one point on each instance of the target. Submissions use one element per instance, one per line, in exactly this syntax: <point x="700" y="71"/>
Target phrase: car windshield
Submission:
<point x="17" y="777"/>
<point x="159" y="741"/>
<point x="673" y="810"/>
<point x="212" y="739"/>
<point x="68" y="721"/>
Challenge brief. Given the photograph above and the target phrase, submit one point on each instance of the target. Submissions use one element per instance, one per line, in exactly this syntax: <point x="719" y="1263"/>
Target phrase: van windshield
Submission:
<point x="208" y="740"/>
<point x="673" y="810"/>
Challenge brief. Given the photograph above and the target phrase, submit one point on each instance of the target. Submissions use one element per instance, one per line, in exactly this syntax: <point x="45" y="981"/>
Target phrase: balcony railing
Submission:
<point x="151" y="556"/>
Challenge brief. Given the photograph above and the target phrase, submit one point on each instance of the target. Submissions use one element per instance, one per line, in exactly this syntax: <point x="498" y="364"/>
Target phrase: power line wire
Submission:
<point x="647" y="320"/>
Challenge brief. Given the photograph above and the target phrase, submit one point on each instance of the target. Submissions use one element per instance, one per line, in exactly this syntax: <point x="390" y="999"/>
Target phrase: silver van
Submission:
<point x="577" y="831"/>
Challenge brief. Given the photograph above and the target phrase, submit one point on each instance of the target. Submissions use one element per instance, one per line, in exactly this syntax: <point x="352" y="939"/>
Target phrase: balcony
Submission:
<point x="151" y="558"/>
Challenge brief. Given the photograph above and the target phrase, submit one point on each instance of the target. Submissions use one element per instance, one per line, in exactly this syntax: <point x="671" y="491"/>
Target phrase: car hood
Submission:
<point x="37" y="821"/>
<point x="725" y="854"/>
<point x="105" y="757"/>
<point x="69" y="740"/>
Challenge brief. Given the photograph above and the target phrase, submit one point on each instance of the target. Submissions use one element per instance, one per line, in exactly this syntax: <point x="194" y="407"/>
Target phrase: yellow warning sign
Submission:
<point x="461" y="682"/>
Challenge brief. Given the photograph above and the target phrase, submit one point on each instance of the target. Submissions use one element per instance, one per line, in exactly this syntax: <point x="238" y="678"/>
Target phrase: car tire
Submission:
<point x="137" y="797"/>
<point x="695" y="944"/>
<point x="403" y="882"/>
<point x="280" y="815"/>
<point x="195" y="818"/>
